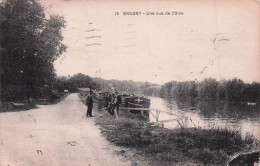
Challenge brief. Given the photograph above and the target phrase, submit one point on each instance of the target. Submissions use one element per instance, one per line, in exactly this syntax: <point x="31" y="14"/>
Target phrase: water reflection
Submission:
<point x="204" y="114"/>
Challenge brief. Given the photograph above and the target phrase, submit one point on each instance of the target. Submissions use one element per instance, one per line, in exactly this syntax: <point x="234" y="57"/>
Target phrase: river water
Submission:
<point x="237" y="116"/>
<point x="209" y="114"/>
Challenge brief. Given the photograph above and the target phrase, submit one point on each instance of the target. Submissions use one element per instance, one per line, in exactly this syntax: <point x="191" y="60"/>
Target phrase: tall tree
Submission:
<point x="29" y="45"/>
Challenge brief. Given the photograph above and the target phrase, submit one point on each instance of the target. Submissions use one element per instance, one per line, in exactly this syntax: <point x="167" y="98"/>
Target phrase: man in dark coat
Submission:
<point x="117" y="102"/>
<point x="106" y="100"/>
<point x="89" y="102"/>
<point x="111" y="104"/>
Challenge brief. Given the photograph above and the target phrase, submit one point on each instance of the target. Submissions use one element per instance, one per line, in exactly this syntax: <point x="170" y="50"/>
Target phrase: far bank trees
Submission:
<point x="211" y="89"/>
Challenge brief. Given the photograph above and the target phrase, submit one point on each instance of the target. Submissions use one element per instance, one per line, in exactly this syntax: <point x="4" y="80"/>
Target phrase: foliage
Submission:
<point x="73" y="83"/>
<point x="81" y="80"/>
<point x="207" y="89"/>
<point x="29" y="45"/>
<point x="61" y="83"/>
<point x="126" y="86"/>
<point x="179" y="89"/>
<point x="199" y="146"/>
<point x="211" y="89"/>
<point x="123" y="86"/>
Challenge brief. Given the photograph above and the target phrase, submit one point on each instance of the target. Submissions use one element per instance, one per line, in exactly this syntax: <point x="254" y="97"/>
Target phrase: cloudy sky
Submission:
<point x="218" y="39"/>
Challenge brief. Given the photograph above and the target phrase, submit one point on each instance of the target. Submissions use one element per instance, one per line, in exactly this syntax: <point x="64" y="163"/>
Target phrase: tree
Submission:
<point x="207" y="89"/>
<point x="29" y="45"/>
<point x="234" y="90"/>
<point x="82" y="81"/>
<point x="61" y="83"/>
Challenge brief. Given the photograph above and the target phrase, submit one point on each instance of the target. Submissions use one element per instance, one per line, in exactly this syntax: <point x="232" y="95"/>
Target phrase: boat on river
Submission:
<point x="135" y="102"/>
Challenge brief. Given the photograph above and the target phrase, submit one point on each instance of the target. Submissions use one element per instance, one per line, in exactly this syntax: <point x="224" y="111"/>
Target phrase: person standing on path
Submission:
<point x="111" y="105"/>
<point x="89" y="102"/>
<point x="117" y="102"/>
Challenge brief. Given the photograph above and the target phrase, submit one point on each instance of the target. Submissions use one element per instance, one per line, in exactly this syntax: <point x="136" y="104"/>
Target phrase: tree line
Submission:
<point x="211" y="89"/>
<point x="207" y="89"/>
<point x="84" y="81"/>
<point x="74" y="82"/>
<point x="122" y="86"/>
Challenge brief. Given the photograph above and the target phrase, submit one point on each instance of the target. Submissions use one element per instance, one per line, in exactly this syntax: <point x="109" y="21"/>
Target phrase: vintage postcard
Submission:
<point x="129" y="82"/>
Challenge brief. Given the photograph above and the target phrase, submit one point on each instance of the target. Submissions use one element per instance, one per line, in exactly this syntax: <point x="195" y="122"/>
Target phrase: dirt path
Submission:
<point x="54" y="135"/>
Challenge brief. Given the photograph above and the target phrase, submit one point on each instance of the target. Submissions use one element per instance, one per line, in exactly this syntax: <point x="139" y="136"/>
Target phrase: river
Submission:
<point x="234" y="115"/>
<point x="209" y="114"/>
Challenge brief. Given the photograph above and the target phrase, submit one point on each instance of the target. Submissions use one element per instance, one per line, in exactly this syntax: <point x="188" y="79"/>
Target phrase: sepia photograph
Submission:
<point x="129" y="83"/>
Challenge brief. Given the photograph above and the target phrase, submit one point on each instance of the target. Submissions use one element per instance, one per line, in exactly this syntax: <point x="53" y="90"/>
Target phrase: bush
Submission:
<point x="13" y="93"/>
<point x="16" y="92"/>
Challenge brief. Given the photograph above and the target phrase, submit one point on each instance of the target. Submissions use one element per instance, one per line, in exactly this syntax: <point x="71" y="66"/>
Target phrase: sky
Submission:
<point x="218" y="39"/>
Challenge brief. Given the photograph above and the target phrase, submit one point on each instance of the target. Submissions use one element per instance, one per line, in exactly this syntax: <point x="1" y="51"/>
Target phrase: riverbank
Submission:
<point x="181" y="146"/>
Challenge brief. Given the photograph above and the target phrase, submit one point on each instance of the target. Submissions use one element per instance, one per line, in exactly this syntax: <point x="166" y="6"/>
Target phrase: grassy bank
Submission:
<point x="53" y="99"/>
<point x="12" y="107"/>
<point x="188" y="146"/>
<point x="23" y="105"/>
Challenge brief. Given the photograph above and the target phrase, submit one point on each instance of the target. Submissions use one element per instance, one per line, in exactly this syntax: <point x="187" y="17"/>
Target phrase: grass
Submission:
<point x="10" y="107"/>
<point x="180" y="146"/>
<point x="25" y="105"/>
<point x="53" y="99"/>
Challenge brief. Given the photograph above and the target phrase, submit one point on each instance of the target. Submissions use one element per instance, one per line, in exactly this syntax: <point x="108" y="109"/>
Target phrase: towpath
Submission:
<point x="54" y="135"/>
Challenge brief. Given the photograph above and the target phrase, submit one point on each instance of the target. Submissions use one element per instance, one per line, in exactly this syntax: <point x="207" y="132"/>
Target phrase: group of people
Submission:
<point x="112" y="102"/>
